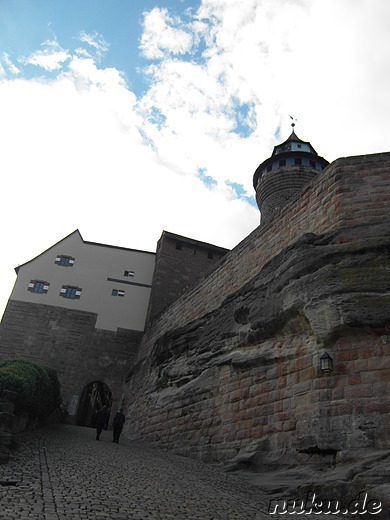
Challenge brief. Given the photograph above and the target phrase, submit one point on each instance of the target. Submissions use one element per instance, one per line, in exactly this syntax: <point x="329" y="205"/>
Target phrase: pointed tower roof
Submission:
<point x="292" y="148"/>
<point x="287" y="145"/>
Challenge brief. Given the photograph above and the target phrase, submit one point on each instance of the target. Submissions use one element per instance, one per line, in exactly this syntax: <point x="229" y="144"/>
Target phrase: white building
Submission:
<point x="112" y="282"/>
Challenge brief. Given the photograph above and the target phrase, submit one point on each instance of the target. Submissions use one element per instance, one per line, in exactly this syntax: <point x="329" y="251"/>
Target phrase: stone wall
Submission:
<point x="179" y="264"/>
<point x="276" y="188"/>
<point x="68" y="341"/>
<point x="350" y="191"/>
<point x="231" y="370"/>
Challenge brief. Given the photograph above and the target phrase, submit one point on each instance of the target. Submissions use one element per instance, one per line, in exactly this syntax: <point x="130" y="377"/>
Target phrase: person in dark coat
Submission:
<point x="117" y="424"/>
<point x="101" y="421"/>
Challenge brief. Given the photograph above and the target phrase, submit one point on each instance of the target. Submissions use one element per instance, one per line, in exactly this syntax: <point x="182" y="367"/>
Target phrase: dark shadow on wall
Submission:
<point x="95" y="395"/>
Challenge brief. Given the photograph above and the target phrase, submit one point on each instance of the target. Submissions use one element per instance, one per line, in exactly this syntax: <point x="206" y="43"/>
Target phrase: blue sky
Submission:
<point x="126" y="118"/>
<point x="25" y="25"/>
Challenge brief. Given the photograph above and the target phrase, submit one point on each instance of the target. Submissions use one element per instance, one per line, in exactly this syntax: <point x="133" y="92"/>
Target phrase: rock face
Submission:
<point x="239" y="380"/>
<point x="249" y="371"/>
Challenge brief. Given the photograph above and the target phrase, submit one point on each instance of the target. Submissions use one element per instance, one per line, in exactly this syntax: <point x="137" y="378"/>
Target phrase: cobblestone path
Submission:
<point x="64" y="473"/>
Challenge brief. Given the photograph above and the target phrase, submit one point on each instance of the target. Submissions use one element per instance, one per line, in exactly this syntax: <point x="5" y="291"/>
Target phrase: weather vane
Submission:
<point x="293" y="122"/>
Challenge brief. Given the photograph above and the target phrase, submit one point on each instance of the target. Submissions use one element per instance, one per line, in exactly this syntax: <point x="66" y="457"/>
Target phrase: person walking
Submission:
<point x="101" y="420"/>
<point x="117" y="424"/>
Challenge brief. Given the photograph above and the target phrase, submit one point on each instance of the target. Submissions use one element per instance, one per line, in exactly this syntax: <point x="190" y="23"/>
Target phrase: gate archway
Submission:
<point x="94" y="396"/>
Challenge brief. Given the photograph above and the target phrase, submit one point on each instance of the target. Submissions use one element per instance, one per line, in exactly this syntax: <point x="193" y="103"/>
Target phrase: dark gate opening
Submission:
<point x="94" y="396"/>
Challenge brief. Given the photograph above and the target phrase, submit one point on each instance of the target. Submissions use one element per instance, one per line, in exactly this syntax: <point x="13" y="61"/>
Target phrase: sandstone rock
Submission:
<point x="255" y="359"/>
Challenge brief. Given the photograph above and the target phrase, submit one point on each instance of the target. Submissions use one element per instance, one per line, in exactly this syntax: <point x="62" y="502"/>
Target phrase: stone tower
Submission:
<point x="280" y="177"/>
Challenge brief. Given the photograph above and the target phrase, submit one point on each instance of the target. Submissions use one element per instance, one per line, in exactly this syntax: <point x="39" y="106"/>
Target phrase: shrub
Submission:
<point x="37" y="388"/>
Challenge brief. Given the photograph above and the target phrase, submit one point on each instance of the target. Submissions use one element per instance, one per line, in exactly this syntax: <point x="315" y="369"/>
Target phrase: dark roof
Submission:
<point x="293" y="138"/>
<point x="191" y="241"/>
<point x="283" y="151"/>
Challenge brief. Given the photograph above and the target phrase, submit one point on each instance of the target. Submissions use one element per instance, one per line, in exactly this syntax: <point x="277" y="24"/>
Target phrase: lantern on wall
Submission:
<point x="326" y="363"/>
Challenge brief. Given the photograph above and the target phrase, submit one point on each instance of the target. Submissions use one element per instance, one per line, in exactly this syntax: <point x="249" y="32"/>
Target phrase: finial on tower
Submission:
<point x="293" y="123"/>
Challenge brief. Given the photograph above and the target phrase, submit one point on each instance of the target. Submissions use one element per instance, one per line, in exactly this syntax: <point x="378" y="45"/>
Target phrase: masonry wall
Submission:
<point x="231" y="370"/>
<point x="280" y="411"/>
<point x="179" y="264"/>
<point x="349" y="192"/>
<point x="68" y="341"/>
<point x="276" y="188"/>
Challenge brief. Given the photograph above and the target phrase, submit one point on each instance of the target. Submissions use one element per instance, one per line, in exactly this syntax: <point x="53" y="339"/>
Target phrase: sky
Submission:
<point x="124" y="118"/>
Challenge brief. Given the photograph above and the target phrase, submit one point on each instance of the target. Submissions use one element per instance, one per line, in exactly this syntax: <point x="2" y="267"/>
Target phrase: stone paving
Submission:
<point x="62" y="472"/>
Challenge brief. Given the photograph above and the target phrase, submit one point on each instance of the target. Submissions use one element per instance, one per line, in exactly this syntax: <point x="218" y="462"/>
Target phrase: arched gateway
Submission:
<point x="94" y="396"/>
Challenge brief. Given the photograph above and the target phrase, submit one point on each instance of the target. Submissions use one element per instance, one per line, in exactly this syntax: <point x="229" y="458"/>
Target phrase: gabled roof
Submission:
<point x="48" y="249"/>
<point x="77" y="232"/>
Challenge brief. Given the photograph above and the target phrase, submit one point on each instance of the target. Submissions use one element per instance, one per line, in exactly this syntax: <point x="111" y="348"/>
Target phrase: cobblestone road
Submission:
<point x="64" y="473"/>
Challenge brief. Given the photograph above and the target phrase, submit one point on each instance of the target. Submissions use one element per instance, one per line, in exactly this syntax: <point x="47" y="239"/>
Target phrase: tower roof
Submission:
<point x="292" y="149"/>
<point x="286" y="146"/>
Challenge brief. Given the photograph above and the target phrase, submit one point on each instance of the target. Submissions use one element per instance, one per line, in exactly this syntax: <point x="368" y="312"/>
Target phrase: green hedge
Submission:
<point x="38" y="388"/>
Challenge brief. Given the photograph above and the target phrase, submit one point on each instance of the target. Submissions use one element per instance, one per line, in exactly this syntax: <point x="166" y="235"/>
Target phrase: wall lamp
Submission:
<point x="326" y="363"/>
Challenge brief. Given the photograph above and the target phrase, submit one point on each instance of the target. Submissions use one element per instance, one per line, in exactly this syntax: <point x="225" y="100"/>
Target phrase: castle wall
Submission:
<point x="68" y="341"/>
<point x="179" y="263"/>
<point x="231" y="370"/>
<point x="350" y="191"/>
<point x="276" y="189"/>
<point x="278" y="409"/>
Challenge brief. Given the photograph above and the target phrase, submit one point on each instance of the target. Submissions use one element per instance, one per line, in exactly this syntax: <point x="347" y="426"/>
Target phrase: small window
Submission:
<point x="38" y="287"/>
<point x="299" y="146"/>
<point x="297" y="161"/>
<point x="129" y="273"/>
<point x="313" y="164"/>
<point x="282" y="162"/>
<point x="117" y="292"/>
<point x="66" y="261"/>
<point x="178" y="246"/>
<point x="72" y="293"/>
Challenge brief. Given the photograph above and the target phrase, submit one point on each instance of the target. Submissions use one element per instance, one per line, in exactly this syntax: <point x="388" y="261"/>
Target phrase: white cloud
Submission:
<point x="80" y="150"/>
<point x="82" y="53"/>
<point x="161" y="37"/>
<point x="51" y="58"/>
<point x="73" y="157"/>
<point x="96" y="41"/>
<point x="325" y="62"/>
<point x="10" y="65"/>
